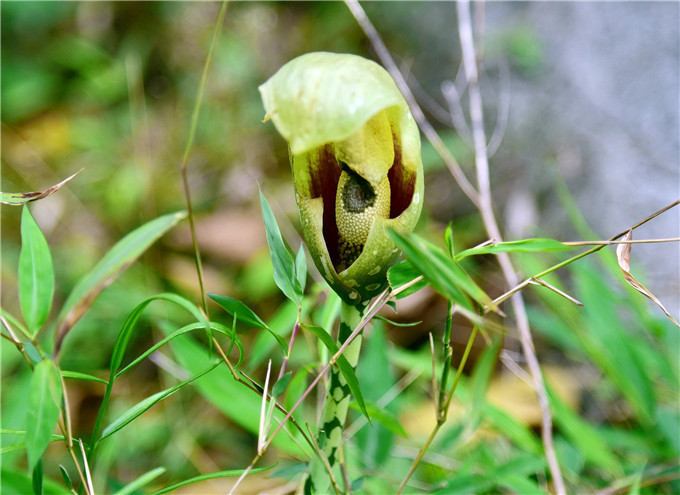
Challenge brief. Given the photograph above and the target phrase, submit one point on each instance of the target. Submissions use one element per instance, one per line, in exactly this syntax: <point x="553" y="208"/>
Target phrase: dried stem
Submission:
<point x="187" y="150"/>
<point x="431" y="135"/>
<point x="486" y="210"/>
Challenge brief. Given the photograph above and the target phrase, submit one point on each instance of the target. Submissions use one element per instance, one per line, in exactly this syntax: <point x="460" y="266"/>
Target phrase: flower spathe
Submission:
<point x="355" y="153"/>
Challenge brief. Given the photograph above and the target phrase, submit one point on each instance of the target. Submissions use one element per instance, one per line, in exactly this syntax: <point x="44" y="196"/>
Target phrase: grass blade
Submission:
<point x="210" y="476"/>
<point x="143" y="480"/>
<point x="535" y="245"/>
<point x="77" y="375"/>
<point x="444" y="274"/>
<point x="246" y="315"/>
<point x="126" y="251"/>
<point x="44" y="404"/>
<point x="141" y="407"/>
<point x="285" y="273"/>
<point x="129" y="325"/>
<point x="186" y="329"/>
<point x="36" y="274"/>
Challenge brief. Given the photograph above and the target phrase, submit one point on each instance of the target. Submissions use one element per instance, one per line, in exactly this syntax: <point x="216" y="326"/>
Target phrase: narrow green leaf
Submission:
<point x="345" y="368"/>
<point x="243" y="313"/>
<point x="141" y="407"/>
<point x="36" y="275"/>
<point x="38" y="478"/>
<point x="285" y="274"/>
<point x="143" y="480"/>
<point x="186" y="329"/>
<point x="301" y="269"/>
<point x="246" y="315"/>
<point x="131" y="322"/>
<point x="210" y="476"/>
<point x="66" y="477"/>
<point x="444" y="274"/>
<point x="44" y="404"/>
<point x="77" y="375"/>
<point x="522" y="246"/>
<point x="403" y="273"/>
<point x="395" y="323"/>
<point x="126" y="251"/>
<point x="281" y="384"/>
<point x="448" y="238"/>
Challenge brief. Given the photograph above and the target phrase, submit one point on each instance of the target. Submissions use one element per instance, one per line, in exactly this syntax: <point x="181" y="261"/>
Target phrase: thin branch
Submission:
<point x="486" y="210"/>
<point x="187" y="150"/>
<point x="14" y="340"/>
<point x="432" y="136"/>
<point x="538" y="281"/>
<point x="608" y="243"/>
<point x="598" y="245"/>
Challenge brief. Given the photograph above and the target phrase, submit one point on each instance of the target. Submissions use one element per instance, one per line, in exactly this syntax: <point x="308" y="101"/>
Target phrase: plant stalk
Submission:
<point x="336" y="403"/>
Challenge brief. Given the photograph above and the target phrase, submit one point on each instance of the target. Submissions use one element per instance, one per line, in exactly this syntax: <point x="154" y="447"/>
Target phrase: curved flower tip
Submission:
<point x="355" y="154"/>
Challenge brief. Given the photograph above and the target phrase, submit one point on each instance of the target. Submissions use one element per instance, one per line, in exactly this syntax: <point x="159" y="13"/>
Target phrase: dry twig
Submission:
<point x="486" y="210"/>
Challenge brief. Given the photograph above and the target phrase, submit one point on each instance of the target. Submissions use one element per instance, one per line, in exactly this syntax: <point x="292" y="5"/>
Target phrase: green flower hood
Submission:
<point x="355" y="153"/>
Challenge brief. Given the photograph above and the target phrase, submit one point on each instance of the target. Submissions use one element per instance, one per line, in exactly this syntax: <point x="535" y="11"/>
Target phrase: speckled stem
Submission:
<point x="335" y="407"/>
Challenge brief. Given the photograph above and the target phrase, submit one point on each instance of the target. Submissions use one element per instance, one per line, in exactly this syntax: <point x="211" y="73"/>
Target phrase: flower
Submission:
<point x="355" y="153"/>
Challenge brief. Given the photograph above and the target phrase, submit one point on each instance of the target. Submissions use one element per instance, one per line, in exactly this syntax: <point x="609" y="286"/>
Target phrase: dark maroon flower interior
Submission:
<point x="325" y="175"/>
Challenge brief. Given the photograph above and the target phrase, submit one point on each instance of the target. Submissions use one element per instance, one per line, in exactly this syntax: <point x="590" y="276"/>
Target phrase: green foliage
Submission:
<point x="36" y="276"/>
<point x="44" y="404"/>
<point x="288" y="274"/>
<point x="115" y="97"/>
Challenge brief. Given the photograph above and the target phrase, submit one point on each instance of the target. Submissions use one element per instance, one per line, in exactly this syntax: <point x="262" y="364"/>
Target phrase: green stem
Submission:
<point x="446" y="357"/>
<point x="335" y="407"/>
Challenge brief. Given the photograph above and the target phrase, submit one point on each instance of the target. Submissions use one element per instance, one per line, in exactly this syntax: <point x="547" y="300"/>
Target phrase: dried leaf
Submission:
<point x="18" y="199"/>
<point x="623" y="256"/>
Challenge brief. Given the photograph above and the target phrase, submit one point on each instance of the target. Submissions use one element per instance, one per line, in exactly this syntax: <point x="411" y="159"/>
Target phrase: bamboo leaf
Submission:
<point x="114" y="262"/>
<point x="129" y="325"/>
<point x="523" y="246"/>
<point x="141" y="407"/>
<point x="36" y="275"/>
<point x="246" y="315"/>
<point x="38" y="478"/>
<point x="77" y="375"/>
<point x="210" y="476"/>
<point x="285" y="273"/>
<point x="402" y="274"/>
<point x="345" y="368"/>
<point x="281" y="384"/>
<point x="44" y="404"/>
<point x="396" y="323"/>
<point x="143" y="480"/>
<point x="186" y="329"/>
<point x="444" y="274"/>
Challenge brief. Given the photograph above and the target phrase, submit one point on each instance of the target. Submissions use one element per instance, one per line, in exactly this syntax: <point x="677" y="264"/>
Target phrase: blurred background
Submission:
<point x="579" y="96"/>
